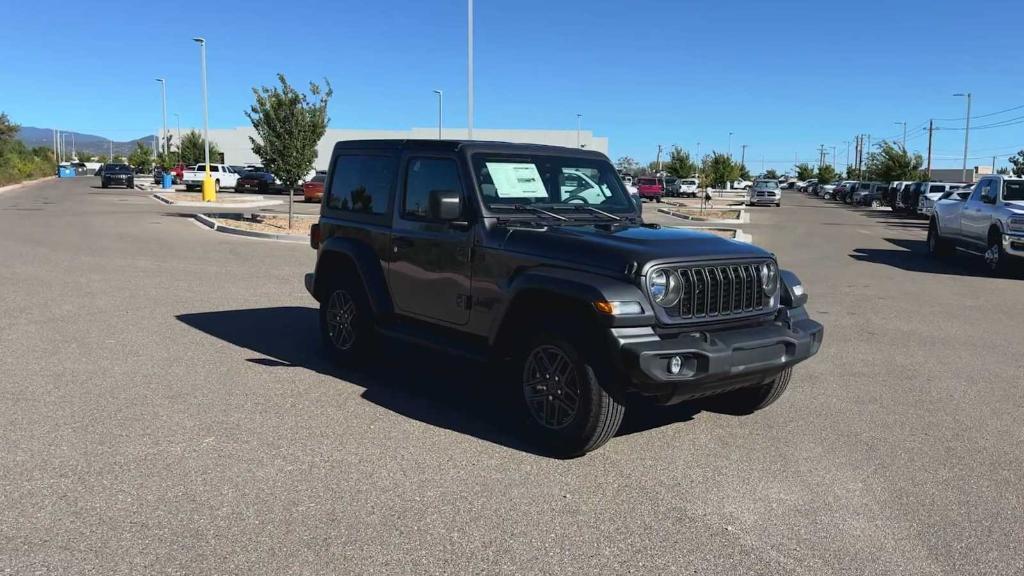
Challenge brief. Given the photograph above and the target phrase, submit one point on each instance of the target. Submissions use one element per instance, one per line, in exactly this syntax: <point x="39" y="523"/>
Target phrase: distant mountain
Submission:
<point x="32" y="137"/>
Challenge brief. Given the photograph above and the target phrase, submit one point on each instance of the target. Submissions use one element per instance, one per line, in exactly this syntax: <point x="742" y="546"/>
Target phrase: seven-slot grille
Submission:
<point x="720" y="291"/>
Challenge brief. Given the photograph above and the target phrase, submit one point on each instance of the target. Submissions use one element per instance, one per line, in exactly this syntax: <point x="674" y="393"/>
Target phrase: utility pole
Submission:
<point x="835" y="159"/>
<point x="967" y="134"/>
<point x="73" y="153"/>
<point x="993" y="164"/>
<point x="743" y="155"/>
<point x="111" y="157"/>
<point x="53" y="138"/>
<point x="659" y="158"/>
<point x="847" y="142"/>
<point x="698" y="151"/>
<point x="469" y="75"/>
<point x="730" y="145"/>
<point x="904" y="123"/>
<point x="579" y="126"/>
<point x="931" y="129"/>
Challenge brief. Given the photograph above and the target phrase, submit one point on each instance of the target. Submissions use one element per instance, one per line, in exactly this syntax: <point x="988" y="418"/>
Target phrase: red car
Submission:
<point x="650" y="188"/>
<point x="313" y="191"/>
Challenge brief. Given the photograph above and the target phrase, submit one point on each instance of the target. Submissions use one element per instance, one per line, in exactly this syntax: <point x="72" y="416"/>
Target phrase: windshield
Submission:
<point x="550" y="181"/>
<point x="1013" y="190"/>
<point x="670" y="180"/>
<point x="766" y="185"/>
<point x="116" y="168"/>
<point x="320" y="177"/>
<point x="687" y="182"/>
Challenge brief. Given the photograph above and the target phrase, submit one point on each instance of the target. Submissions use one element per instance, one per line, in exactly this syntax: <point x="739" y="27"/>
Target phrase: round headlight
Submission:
<point x="769" y="277"/>
<point x="665" y="287"/>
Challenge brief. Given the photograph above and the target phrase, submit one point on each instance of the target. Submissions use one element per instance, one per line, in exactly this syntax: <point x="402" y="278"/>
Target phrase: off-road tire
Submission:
<point x="342" y="351"/>
<point x="749" y="400"/>
<point x="1001" y="264"/>
<point x="574" y="365"/>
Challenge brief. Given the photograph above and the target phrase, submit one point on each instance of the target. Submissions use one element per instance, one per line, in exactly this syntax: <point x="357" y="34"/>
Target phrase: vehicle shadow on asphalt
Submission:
<point x="913" y="256"/>
<point x="427" y="386"/>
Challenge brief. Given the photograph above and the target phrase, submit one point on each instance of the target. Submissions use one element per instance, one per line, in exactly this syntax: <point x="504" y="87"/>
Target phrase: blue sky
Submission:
<point x="784" y="75"/>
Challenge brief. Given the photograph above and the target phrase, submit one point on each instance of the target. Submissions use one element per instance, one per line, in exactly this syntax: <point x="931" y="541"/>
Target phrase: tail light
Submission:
<point x="314" y="236"/>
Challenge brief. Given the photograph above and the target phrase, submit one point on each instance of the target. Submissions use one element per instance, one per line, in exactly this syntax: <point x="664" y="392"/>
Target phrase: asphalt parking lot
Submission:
<point x="165" y="410"/>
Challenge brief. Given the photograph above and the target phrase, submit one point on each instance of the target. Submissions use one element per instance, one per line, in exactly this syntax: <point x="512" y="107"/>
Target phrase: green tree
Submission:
<point x="804" y="171"/>
<point x="1017" y="161"/>
<point x="102" y="159"/>
<point x="717" y="169"/>
<point x="141" y="156"/>
<point x="1003" y="170"/>
<point x="679" y="163"/>
<point x="892" y="163"/>
<point x="8" y="130"/>
<point x="770" y="174"/>
<point x="289" y="125"/>
<point x="745" y="172"/>
<point x="193" y="149"/>
<point x="826" y="174"/>
<point x="627" y="164"/>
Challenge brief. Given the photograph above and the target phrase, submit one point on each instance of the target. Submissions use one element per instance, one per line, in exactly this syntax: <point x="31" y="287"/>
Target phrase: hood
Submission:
<point x="614" y="247"/>
<point x="1015" y="206"/>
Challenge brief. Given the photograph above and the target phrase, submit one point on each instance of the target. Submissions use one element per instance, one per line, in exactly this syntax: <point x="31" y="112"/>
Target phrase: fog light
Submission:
<point x="675" y="365"/>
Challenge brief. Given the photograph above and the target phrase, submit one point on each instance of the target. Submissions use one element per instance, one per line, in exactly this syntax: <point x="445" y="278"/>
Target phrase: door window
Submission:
<point x="423" y="176"/>
<point x="937" y="188"/>
<point x="362" y="184"/>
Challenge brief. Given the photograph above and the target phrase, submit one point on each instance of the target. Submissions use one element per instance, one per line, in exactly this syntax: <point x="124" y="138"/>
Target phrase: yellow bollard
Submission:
<point x="209" y="191"/>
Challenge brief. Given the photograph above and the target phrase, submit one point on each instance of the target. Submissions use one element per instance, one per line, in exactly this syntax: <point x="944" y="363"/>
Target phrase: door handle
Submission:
<point x="401" y="243"/>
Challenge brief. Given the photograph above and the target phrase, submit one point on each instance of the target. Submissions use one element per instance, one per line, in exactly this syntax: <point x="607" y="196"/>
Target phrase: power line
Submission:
<point x="990" y="114"/>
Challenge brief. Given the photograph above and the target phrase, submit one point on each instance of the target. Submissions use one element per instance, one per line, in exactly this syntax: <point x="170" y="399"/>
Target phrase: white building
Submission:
<point x="234" y="142"/>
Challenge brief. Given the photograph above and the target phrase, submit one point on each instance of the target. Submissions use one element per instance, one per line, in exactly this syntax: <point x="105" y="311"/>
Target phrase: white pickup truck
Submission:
<point x="223" y="176"/>
<point x="988" y="220"/>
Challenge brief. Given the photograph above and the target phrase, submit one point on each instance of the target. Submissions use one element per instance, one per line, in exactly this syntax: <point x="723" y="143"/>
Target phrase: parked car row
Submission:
<point x="986" y="218"/>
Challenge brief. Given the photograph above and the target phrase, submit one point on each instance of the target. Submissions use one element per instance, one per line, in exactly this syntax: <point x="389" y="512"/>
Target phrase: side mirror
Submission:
<point x="445" y="205"/>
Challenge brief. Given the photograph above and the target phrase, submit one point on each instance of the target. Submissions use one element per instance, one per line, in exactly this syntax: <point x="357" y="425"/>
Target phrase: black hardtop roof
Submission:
<point x="466" y="146"/>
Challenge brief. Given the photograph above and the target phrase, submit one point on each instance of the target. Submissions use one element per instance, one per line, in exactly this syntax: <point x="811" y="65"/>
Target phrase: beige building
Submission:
<point x="234" y="142"/>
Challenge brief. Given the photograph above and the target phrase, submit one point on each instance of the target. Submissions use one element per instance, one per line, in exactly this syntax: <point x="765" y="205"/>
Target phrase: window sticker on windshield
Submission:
<point x="516" y="180"/>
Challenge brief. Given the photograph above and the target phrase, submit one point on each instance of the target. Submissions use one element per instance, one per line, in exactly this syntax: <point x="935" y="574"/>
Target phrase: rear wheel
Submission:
<point x="754" y="398"/>
<point x="346" y="325"/>
<point x="216" y="186"/>
<point x="564" y="389"/>
<point x="937" y="245"/>
<point x="876" y="203"/>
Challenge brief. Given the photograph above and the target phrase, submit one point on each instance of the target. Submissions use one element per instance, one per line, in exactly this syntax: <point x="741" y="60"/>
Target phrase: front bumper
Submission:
<point x="1013" y="244"/>
<point x="715" y="361"/>
<point x="765" y="200"/>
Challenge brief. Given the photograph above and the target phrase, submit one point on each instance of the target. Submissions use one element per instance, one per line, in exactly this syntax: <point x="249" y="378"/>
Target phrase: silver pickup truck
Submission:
<point x="988" y="220"/>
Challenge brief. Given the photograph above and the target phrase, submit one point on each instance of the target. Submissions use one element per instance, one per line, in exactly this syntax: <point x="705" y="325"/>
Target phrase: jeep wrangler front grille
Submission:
<point x="721" y="291"/>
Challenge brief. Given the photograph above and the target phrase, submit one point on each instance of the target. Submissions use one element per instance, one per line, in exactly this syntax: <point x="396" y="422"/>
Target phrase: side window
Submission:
<point x="937" y="188"/>
<point x="980" y="190"/>
<point x="423" y="176"/>
<point x="214" y="168"/>
<point x="362" y="184"/>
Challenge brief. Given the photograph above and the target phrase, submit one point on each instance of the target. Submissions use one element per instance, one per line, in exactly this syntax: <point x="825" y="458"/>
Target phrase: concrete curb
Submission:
<point x="10" y="187"/>
<point x="205" y="220"/>
<point x="256" y="202"/>
<point x="743" y="219"/>
<point x="741" y="236"/>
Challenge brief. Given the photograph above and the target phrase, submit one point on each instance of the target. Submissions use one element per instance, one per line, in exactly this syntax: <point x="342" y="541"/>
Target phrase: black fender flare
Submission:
<point x="583" y="287"/>
<point x="367" y="267"/>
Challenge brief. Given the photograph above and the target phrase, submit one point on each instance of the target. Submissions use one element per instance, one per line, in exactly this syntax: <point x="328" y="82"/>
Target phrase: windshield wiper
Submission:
<point x="578" y="207"/>
<point x="529" y="208"/>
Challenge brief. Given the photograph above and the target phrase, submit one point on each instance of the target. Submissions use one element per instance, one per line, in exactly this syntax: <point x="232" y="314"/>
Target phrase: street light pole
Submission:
<point x="904" y="123"/>
<point x="967" y="134"/>
<point x="177" y="119"/>
<point x="730" y="145"/>
<point x="440" y="111"/>
<point x="579" y="126"/>
<point x="469" y="60"/>
<point x="209" y="193"/>
<point x="163" y="99"/>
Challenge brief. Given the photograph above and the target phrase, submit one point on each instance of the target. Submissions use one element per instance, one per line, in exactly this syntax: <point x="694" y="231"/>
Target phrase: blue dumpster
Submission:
<point x="66" y="171"/>
<point x="168" y="181"/>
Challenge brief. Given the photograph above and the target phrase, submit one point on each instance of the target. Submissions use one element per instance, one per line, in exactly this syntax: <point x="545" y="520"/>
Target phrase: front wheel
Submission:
<point x="996" y="258"/>
<point x="750" y="400"/>
<point x="876" y="203"/>
<point x="563" y="389"/>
